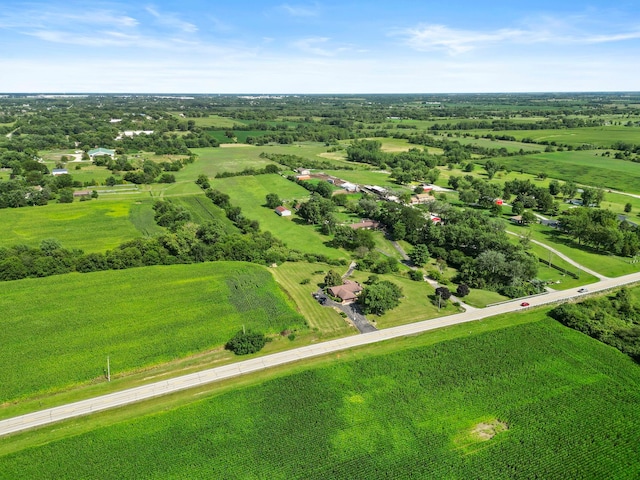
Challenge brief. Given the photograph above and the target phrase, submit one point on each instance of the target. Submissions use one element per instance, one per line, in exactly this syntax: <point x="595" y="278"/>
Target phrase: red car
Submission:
<point x="524" y="304"/>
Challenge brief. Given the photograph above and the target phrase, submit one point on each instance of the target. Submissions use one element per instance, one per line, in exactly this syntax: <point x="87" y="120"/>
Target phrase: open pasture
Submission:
<point x="534" y="400"/>
<point x="249" y="193"/>
<point x="58" y="331"/>
<point x="602" y="137"/>
<point x="93" y="226"/>
<point x="582" y="167"/>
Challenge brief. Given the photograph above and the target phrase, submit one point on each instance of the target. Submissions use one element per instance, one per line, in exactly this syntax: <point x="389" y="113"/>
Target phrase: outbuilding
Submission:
<point x="283" y="211"/>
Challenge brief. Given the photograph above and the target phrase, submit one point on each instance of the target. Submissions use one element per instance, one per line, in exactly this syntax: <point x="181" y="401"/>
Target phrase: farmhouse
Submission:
<point x="82" y="193"/>
<point x="59" y="171"/>
<point x="101" y="151"/>
<point x="303" y="171"/>
<point x="365" y="223"/>
<point x="421" y="198"/>
<point x="349" y="187"/>
<point x="282" y="211"/>
<point x="347" y="292"/>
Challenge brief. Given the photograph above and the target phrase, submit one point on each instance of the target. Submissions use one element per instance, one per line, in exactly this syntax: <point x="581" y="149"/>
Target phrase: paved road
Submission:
<point x="205" y="377"/>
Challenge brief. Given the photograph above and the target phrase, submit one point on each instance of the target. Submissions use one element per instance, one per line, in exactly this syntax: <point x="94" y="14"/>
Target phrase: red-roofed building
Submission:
<point x="282" y="211"/>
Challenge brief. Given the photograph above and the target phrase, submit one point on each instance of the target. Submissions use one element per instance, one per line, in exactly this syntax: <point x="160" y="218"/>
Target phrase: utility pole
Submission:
<point x="108" y="370"/>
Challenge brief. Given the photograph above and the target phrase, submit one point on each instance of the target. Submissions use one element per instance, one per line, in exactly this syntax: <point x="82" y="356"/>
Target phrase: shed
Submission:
<point x="282" y="211"/>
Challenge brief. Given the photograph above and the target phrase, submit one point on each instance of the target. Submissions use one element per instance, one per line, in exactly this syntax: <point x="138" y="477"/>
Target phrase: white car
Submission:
<point x="583" y="290"/>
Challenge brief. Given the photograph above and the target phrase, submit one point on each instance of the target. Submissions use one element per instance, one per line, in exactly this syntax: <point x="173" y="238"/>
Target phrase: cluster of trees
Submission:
<point x="295" y="161"/>
<point x="141" y="173"/>
<point x="268" y="169"/>
<point x="602" y="230"/>
<point x="246" y="341"/>
<point x="379" y="297"/>
<point x="614" y="320"/>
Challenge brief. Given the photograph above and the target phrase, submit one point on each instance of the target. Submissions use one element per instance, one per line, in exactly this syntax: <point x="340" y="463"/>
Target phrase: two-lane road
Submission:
<point x="212" y="375"/>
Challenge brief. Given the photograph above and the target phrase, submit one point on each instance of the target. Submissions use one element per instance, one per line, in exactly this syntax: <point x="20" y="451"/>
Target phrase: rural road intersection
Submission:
<point x="125" y="397"/>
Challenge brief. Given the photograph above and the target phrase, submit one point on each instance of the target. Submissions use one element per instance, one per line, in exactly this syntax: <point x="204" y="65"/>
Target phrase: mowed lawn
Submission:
<point x="582" y="167"/>
<point x="58" y="331"/>
<point x="293" y="279"/>
<point x="93" y="226"/>
<point x="532" y="400"/>
<point x="249" y="193"/>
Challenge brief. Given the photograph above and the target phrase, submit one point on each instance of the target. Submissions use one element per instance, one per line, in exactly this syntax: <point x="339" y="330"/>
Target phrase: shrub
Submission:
<point x="246" y="342"/>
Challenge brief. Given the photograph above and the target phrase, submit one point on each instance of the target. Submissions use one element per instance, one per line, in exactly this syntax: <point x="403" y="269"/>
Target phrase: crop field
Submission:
<point x="581" y="167"/>
<point x="216" y="121"/>
<point x="58" y="331"/>
<point x="203" y="210"/>
<point x="291" y="276"/>
<point x="534" y="400"/>
<point x="249" y="192"/>
<point x="602" y="137"/>
<point x="93" y="226"/>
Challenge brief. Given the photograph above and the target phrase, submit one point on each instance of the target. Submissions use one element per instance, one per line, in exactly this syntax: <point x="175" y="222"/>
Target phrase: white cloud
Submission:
<point x="457" y="41"/>
<point x="172" y="21"/>
<point x="301" y="10"/>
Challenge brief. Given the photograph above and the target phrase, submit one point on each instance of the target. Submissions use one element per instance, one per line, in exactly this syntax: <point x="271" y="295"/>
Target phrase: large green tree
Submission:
<point x="380" y="297"/>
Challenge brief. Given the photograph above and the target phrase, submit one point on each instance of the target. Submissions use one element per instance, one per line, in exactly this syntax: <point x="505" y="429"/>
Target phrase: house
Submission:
<point x="366" y="224"/>
<point x="347" y="292"/>
<point x="82" y="193"/>
<point x="101" y="151"/>
<point x="420" y="198"/>
<point x="303" y="177"/>
<point x="59" y="171"/>
<point x="498" y="201"/>
<point x="550" y="223"/>
<point x="517" y="219"/>
<point x="303" y="171"/>
<point x="349" y="187"/>
<point x="435" y="218"/>
<point x="282" y="211"/>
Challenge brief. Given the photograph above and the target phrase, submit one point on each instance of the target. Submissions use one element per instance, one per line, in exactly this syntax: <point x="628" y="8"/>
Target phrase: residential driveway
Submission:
<point x="353" y="311"/>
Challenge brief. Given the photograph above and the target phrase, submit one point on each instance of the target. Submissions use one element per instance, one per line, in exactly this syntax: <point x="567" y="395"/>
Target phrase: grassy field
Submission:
<point x="326" y="321"/>
<point x="249" y="192"/>
<point x="581" y="167"/>
<point x="365" y="177"/>
<point x="599" y="136"/>
<point x="608" y="265"/>
<point x="203" y="210"/>
<point x="560" y="405"/>
<point x="93" y="226"/>
<point x="58" y="331"/>
<point x="481" y="298"/>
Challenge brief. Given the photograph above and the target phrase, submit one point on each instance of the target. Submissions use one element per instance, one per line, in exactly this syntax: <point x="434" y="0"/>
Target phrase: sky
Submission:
<point x="298" y="47"/>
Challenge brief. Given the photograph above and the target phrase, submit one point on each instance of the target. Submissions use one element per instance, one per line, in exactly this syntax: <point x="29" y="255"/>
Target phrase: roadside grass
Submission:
<point x="411" y="404"/>
<point x="58" y="331"/>
<point x="93" y="226"/>
<point x="608" y="265"/>
<point x="325" y="321"/>
<point x="249" y="193"/>
<point x="546" y="273"/>
<point x="481" y="298"/>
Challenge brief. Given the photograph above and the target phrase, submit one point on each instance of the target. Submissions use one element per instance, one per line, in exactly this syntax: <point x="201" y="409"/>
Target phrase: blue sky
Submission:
<point x="392" y="46"/>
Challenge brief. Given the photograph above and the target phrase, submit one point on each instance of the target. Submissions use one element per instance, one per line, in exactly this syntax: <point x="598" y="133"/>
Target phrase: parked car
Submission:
<point x="583" y="290"/>
<point x="524" y="304"/>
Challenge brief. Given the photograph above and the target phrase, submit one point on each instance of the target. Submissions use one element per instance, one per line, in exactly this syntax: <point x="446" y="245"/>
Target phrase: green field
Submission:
<point x="608" y="265"/>
<point x="249" y="192"/>
<point x="560" y="404"/>
<point x="58" y="331"/>
<point x="582" y="167"/>
<point x="599" y="136"/>
<point x="93" y="226"/>
<point x="326" y="321"/>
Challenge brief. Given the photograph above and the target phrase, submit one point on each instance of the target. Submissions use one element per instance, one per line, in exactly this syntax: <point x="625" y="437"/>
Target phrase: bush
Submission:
<point x="246" y="342"/>
<point x="415" y="275"/>
<point x="305" y="281"/>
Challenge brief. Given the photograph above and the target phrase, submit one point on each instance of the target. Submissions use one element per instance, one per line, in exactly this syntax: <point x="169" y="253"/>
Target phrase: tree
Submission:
<point x="65" y="195"/>
<point x="462" y="290"/>
<point x="528" y="217"/>
<point x="419" y="255"/>
<point x="517" y="208"/>
<point x="554" y="187"/>
<point x="380" y="297"/>
<point x="495" y="209"/>
<point x="492" y="168"/>
<point x="627" y="208"/>
<point x="443" y="293"/>
<point x="273" y="200"/>
<point x="332" y="278"/>
<point x="203" y="181"/>
<point x="246" y="342"/>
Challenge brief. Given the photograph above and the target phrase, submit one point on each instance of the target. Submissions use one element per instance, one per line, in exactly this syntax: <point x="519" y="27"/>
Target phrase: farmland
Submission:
<point x="93" y="226"/>
<point x="541" y="389"/>
<point x="63" y="328"/>
<point x="581" y="167"/>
